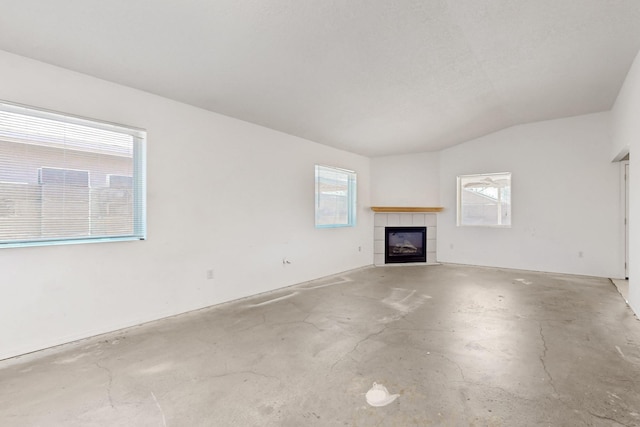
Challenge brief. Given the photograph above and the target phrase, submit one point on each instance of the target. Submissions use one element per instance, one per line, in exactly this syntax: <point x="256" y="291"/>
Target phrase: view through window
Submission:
<point x="335" y="197"/>
<point x="484" y="200"/>
<point x="65" y="179"/>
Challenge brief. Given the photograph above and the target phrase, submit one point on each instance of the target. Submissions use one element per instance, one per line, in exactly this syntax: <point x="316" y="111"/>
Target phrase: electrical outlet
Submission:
<point x="210" y="275"/>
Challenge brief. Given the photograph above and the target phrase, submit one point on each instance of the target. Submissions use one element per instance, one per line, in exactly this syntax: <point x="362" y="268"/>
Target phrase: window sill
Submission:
<point x="32" y="243"/>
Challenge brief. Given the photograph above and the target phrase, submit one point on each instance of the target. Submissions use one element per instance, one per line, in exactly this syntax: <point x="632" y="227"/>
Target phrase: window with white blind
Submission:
<point x="335" y="197"/>
<point x="65" y="179"/>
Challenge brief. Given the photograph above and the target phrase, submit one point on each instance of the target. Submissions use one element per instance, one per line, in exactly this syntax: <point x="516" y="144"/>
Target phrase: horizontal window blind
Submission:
<point x="65" y="179"/>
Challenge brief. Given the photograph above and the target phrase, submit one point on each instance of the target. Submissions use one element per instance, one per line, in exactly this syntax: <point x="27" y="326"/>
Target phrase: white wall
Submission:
<point x="219" y="190"/>
<point x="626" y="138"/>
<point x="409" y="180"/>
<point x="565" y="199"/>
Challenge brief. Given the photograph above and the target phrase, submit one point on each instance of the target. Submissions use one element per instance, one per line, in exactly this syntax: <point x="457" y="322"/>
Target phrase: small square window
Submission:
<point x="484" y="200"/>
<point x="335" y="197"/>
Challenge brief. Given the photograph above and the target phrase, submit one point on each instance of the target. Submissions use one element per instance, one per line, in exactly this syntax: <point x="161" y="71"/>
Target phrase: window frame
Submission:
<point x="460" y="206"/>
<point x="138" y="163"/>
<point x="351" y="197"/>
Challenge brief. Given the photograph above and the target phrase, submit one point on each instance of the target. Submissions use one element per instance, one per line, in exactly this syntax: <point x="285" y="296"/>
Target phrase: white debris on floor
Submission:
<point x="378" y="395"/>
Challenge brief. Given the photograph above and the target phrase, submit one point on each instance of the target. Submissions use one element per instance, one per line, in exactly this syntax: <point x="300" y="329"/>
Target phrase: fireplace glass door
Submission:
<point x="405" y="244"/>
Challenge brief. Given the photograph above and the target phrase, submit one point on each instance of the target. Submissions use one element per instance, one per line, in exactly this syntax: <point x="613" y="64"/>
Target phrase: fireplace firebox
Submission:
<point x="405" y="244"/>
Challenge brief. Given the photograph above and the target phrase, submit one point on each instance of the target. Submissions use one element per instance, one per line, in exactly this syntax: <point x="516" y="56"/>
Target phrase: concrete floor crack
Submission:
<point x="355" y="347"/>
<point x="543" y="357"/>
<point x="259" y="374"/>
<point x="305" y="321"/>
<point x="602" y="417"/>
<point x="457" y="366"/>
<point x="311" y="323"/>
<point x="108" y="371"/>
<point x="368" y="337"/>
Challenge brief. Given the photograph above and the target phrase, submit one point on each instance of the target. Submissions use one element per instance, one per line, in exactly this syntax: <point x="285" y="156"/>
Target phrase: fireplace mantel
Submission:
<point x="388" y="209"/>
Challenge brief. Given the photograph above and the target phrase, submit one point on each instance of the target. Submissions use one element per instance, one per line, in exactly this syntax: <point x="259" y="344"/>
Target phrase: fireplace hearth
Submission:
<point x="405" y="244"/>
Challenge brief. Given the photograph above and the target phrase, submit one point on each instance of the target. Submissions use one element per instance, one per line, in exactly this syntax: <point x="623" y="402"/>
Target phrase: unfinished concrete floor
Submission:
<point x="463" y="346"/>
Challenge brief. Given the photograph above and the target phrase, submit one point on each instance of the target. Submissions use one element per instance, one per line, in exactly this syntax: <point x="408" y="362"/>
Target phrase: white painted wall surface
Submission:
<point x="407" y="180"/>
<point x="626" y="136"/>
<point x="219" y="190"/>
<point x="565" y="199"/>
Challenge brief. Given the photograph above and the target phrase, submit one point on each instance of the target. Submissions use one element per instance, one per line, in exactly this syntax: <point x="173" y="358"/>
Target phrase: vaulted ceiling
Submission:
<point x="375" y="77"/>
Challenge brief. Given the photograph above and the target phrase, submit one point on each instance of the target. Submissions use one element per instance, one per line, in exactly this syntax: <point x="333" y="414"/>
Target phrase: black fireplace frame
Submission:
<point x="398" y="259"/>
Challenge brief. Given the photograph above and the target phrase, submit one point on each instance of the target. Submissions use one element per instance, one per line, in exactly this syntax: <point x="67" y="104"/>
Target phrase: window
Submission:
<point x="335" y="197"/>
<point x="484" y="200"/>
<point x="65" y="179"/>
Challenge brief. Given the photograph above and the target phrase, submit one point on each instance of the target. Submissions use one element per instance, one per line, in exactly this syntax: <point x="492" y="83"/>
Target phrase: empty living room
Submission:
<point x="319" y="213"/>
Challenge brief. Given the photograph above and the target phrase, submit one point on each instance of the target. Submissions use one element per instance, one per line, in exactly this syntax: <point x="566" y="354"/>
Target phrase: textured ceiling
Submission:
<point x="375" y="77"/>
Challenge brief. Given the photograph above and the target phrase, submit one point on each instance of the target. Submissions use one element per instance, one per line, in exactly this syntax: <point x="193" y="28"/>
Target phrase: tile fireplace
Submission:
<point x="404" y="220"/>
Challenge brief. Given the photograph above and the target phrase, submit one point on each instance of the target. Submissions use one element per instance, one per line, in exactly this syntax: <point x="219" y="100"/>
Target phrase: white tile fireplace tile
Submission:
<point x="406" y="219"/>
<point x="380" y="220"/>
<point x="417" y="219"/>
<point x="378" y="233"/>
<point x="432" y="233"/>
<point x="378" y="259"/>
<point x="393" y="220"/>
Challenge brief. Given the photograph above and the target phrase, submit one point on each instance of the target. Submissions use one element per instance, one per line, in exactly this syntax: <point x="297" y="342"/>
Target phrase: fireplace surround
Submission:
<point x="404" y="219"/>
